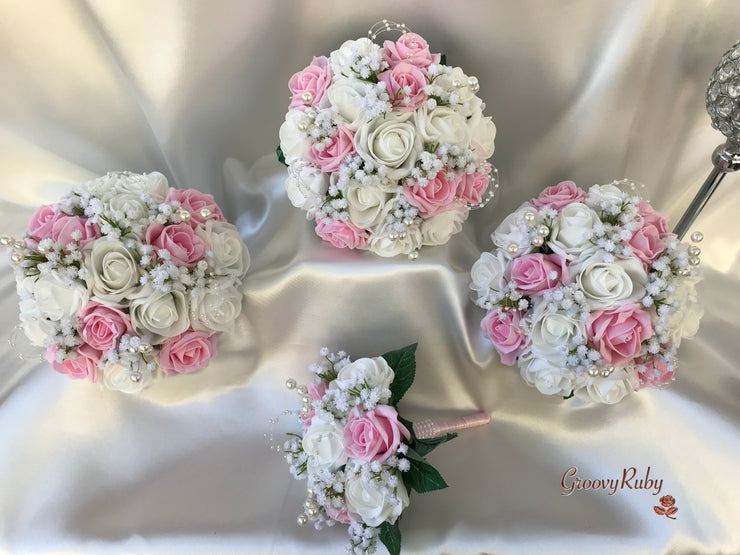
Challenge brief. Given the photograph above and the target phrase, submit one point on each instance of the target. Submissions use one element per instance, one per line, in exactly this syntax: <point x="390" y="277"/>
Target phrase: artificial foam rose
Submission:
<point x="535" y="273"/>
<point x="650" y="216"/>
<point x="603" y="196"/>
<point x="305" y="187"/>
<point x="323" y="444"/>
<point x="101" y="326"/>
<point x="112" y="271"/>
<point x="473" y="185"/>
<point x="647" y="244"/>
<point x="382" y="244"/>
<point x="409" y="48"/>
<point x="684" y="320"/>
<point x="405" y="85"/>
<point x="229" y="254"/>
<point x="331" y="157"/>
<point x="373" y="435"/>
<point x="447" y="80"/>
<point x="559" y="196"/>
<point x="64" y="227"/>
<point x="512" y="231"/>
<point x="194" y="201"/>
<point x="293" y="141"/>
<point x="185" y="247"/>
<point x="56" y="298"/>
<point x="374" y="371"/>
<point x="36" y="327"/>
<point x="571" y="231"/>
<point x="489" y="273"/>
<point x="347" y="95"/>
<point x="549" y="378"/>
<point x="553" y="333"/>
<point x="343" y="58"/>
<point x="314" y="80"/>
<point x="365" y="203"/>
<point x="41" y="222"/>
<point x="152" y="185"/>
<point x="367" y="503"/>
<point x="159" y="314"/>
<point x="442" y="125"/>
<point x="618" y="333"/>
<point x="607" y="284"/>
<point x="612" y="389"/>
<point x="436" y="196"/>
<point x="187" y="352"/>
<point x="482" y="134"/>
<point x="438" y="229"/>
<point x="655" y="371"/>
<point x="82" y="362"/>
<point x="117" y="377"/>
<point x="129" y="206"/>
<point x="214" y="309"/>
<point x="505" y="332"/>
<point x="390" y="141"/>
<point x="341" y="234"/>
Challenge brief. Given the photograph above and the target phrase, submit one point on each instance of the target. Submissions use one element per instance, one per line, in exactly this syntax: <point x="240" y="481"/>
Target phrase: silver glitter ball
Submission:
<point x="697" y="237"/>
<point x="723" y="95"/>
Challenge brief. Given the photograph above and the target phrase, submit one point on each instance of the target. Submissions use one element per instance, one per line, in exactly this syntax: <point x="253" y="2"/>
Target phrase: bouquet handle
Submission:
<point x="427" y="429"/>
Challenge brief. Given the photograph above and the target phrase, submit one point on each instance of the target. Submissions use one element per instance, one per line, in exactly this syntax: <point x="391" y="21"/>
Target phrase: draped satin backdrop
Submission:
<point x="583" y="90"/>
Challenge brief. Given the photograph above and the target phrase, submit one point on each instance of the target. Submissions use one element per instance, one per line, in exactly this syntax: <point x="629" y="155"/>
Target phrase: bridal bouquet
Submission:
<point x="126" y="280"/>
<point x="386" y="146"/>
<point x="359" y="457"/>
<point x="588" y="293"/>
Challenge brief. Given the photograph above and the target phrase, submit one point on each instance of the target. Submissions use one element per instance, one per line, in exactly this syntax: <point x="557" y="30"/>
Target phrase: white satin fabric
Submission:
<point x="579" y="89"/>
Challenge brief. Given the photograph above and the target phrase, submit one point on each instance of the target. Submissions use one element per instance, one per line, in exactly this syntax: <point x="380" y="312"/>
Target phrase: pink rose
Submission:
<point x="194" y="201"/>
<point x="314" y="79"/>
<point x="316" y="391"/>
<point x="341" y="234"/>
<point x="397" y="78"/>
<point x="373" y="435"/>
<point x="64" y="226"/>
<point x="410" y="48"/>
<point x="536" y="273"/>
<point x="652" y="217"/>
<point x="100" y="326"/>
<point x="618" y="333"/>
<point x="505" y="332"/>
<point x="559" y="196"/>
<point x="82" y="362"/>
<point x="328" y="160"/>
<point x="656" y="371"/>
<point x="187" y="352"/>
<point x="438" y="195"/>
<point x="340" y="516"/>
<point x="647" y="244"/>
<point x="40" y="224"/>
<point x="185" y="247"/>
<point x="473" y="185"/>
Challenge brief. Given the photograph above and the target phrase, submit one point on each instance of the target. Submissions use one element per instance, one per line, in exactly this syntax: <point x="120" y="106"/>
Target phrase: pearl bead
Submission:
<point x="6" y="241"/>
<point x="184" y="215"/>
<point x="312" y="512"/>
<point x="16" y="257"/>
<point x="472" y="81"/>
<point x="543" y="230"/>
<point x="302" y="520"/>
<point x="402" y="235"/>
<point x="290" y="384"/>
<point x="145" y="348"/>
<point x="312" y="113"/>
<point x="537" y="241"/>
<point x="413" y="255"/>
<point x="593" y="371"/>
<point x="529" y="217"/>
<point x="408" y="221"/>
<point x="694" y="250"/>
<point x="43" y="250"/>
<point x="310" y="492"/>
<point x="303" y="125"/>
<point x="684" y="272"/>
<point x="457" y="83"/>
<point x="513" y="248"/>
<point x="694" y="260"/>
<point x="19" y="244"/>
<point x="133" y="350"/>
<point x="205" y="213"/>
<point x="605" y="373"/>
<point x="393" y="235"/>
<point x="307" y="98"/>
<point x="310" y="504"/>
<point x="697" y="236"/>
<point x="136" y="377"/>
<point x="302" y="390"/>
<point x="307" y="399"/>
<point x="305" y="410"/>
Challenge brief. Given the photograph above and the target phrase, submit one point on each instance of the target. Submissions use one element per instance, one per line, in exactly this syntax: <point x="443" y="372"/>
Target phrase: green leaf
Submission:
<point x="403" y="362"/>
<point x="443" y="59"/>
<point x="425" y="446"/>
<point x="280" y="156"/>
<point x="572" y="393"/>
<point x="422" y="476"/>
<point x="390" y="535"/>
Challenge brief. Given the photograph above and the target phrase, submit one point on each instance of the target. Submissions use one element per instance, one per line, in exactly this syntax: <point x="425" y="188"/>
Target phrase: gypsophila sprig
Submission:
<point x="355" y="452"/>
<point x="386" y="147"/>
<point x="588" y="292"/>
<point x="126" y="280"/>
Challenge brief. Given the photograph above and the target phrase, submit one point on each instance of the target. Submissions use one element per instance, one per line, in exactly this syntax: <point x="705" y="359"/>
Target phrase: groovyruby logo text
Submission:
<point x="630" y="478"/>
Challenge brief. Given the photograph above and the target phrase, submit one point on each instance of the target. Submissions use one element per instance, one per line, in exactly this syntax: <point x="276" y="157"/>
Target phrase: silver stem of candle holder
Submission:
<point x="723" y="105"/>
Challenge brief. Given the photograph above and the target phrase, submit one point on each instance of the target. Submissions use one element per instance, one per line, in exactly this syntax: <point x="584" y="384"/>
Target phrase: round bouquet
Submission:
<point x="588" y="293"/>
<point x="126" y="280"/>
<point x="359" y="457"/>
<point x="386" y="146"/>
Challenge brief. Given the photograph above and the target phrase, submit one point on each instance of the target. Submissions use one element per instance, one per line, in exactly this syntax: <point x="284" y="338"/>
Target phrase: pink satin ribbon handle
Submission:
<point x="426" y="429"/>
